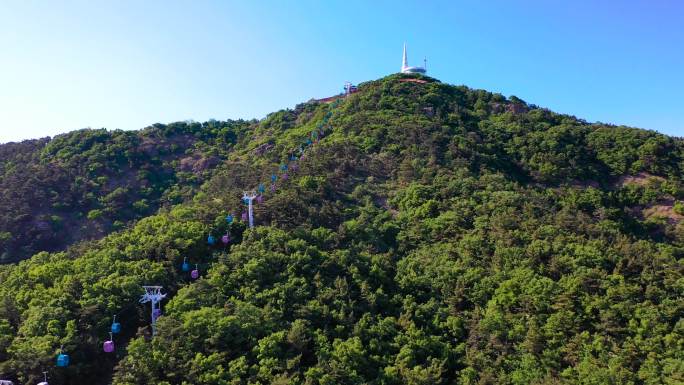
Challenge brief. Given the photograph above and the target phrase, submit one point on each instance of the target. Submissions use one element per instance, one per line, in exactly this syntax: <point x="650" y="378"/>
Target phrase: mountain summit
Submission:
<point x="412" y="232"/>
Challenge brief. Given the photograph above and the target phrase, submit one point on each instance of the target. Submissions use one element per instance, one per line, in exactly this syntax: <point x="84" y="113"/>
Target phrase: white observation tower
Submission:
<point x="406" y="69"/>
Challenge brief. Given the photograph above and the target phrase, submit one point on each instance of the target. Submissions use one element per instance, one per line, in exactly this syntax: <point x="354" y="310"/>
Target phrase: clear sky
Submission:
<point x="66" y="65"/>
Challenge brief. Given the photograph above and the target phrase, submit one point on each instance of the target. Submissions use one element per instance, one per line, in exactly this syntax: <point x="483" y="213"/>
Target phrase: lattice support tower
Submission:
<point x="153" y="295"/>
<point x="249" y="197"/>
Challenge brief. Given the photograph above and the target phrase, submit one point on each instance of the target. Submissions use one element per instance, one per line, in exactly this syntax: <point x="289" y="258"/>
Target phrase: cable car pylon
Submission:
<point x="153" y="295"/>
<point x="248" y="197"/>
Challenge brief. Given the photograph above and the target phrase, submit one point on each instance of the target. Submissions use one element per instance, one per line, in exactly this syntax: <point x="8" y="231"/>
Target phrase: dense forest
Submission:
<point x="87" y="183"/>
<point x="411" y="233"/>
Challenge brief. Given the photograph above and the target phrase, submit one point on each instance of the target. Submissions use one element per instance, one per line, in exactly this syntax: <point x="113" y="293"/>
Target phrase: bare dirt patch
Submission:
<point x="641" y="179"/>
<point x="198" y="163"/>
<point x="664" y="209"/>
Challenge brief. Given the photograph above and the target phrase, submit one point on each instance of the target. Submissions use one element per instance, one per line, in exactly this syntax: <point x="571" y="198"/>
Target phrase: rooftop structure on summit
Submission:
<point x="406" y="69"/>
<point x="349" y="89"/>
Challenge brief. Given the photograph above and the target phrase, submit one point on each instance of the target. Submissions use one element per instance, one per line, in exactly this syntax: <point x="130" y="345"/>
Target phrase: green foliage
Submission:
<point x="435" y="235"/>
<point x="94" y="214"/>
<point x="679" y="208"/>
<point x="95" y="175"/>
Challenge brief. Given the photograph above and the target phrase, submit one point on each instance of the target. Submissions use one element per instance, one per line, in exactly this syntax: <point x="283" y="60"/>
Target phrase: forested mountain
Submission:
<point x="87" y="183"/>
<point x="411" y="233"/>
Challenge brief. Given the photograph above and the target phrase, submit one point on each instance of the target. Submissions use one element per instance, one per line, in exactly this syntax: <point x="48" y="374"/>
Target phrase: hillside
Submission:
<point x="424" y="234"/>
<point x="85" y="184"/>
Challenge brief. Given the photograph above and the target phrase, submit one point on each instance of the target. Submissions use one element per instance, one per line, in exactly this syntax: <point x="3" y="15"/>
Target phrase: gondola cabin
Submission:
<point x="108" y="346"/>
<point x="62" y="360"/>
<point x="116" y="327"/>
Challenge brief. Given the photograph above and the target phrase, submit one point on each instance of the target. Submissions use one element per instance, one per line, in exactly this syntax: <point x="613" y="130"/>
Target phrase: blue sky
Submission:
<point x="128" y="64"/>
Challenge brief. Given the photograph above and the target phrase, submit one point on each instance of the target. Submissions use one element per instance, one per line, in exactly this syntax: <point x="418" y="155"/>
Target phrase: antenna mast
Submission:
<point x="404" y="60"/>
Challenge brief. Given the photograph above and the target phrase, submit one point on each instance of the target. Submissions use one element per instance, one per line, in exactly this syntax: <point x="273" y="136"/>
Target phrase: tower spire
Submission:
<point x="406" y="69"/>
<point x="404" y="62"/>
